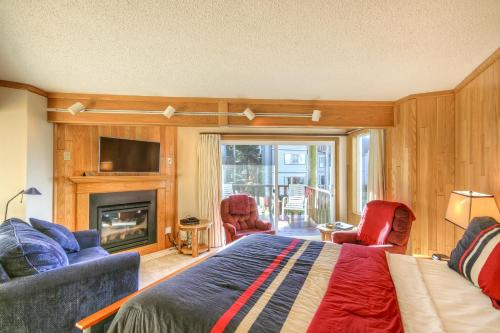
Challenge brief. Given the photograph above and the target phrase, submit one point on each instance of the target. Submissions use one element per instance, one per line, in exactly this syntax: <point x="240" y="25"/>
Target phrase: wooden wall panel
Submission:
<point x="477" y="119"/>
<point x="81" y="143"/>
<point x="435" y="173"/>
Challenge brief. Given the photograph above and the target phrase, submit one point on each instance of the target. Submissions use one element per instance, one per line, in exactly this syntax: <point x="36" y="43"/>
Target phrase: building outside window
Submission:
<point x="295" y="158"/>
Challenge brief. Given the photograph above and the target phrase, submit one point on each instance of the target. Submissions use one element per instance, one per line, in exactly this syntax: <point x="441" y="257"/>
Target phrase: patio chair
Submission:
<point x="227" y="190"/>
<point x="295" y="200"/>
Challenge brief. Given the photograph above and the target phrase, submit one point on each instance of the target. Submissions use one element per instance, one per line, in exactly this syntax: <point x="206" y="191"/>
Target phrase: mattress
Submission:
<point x="278" y="284"/>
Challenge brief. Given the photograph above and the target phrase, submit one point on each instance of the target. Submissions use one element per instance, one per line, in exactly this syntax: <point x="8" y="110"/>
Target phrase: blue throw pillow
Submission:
<point x="26" y="251"/>
<point x="57" y="232"/>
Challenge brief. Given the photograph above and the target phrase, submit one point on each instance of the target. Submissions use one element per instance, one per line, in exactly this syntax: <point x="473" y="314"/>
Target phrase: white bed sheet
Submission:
<point x="434" y="298"/>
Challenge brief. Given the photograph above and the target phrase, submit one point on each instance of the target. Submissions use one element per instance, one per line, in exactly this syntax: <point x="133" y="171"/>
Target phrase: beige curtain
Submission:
<point x="376" y="165"/>
<point x="209" y="178"/>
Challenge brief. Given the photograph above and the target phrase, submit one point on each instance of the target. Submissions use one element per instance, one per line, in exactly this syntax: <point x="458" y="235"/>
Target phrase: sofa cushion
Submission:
<point x="57" y="232"/>
<point x="90" y="253"/>
<point x="4" y="277"/>
<point x="26" y="251"/>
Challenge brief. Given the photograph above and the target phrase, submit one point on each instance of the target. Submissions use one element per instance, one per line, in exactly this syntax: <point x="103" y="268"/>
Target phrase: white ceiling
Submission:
<point x="309" y="49"/>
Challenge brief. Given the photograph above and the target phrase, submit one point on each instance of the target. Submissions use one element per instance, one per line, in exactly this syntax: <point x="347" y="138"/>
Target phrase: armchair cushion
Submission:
<point x="26" y="251"/>
<point x="263" y="225"/>
<point x="377" y="221"/>
<point x="341" y="237"/>
<point x="57" y="232"/>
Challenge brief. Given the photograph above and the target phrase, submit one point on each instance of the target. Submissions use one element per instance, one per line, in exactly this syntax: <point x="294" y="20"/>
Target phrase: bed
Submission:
<point x="268" y="283"/>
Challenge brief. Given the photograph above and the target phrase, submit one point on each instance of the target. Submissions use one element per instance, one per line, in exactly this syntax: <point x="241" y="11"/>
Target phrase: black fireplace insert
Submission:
<point x="124" y="219"/>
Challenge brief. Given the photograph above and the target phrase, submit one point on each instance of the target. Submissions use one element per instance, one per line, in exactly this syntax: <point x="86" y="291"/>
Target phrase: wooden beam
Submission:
<point x="335" y="114"/>
<point x="24" y="86"/>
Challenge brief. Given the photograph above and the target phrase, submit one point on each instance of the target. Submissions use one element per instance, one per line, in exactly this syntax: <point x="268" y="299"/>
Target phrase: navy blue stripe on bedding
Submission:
<point x="195" y="299"/>
<point x="277" y="309"/>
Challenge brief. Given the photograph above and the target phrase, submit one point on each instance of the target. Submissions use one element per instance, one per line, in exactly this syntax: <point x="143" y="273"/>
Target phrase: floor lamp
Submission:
<point x="29" y="191"/>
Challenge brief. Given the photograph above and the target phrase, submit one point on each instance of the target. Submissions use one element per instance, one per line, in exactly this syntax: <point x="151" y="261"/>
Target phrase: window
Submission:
<point x="295" y="158"/>
<point x="295" y="180"/>
<point x="362" y="152"/>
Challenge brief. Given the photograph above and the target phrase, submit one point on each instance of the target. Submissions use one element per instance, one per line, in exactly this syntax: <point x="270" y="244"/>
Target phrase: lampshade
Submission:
<point x="32" y="191"/>
<point x="465" y="205"/>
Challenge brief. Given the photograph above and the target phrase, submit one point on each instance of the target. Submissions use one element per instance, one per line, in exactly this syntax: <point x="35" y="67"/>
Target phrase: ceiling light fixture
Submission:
<point x="249" y="114"/>
<point x="76" y="108"/>
<point x="316" y="115"/>
<point x="169" y="111"/>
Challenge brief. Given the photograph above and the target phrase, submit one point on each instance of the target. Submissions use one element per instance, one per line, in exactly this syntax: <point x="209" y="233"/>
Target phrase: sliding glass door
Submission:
<point x="293" y="183"/>
<point x="249" y="168"/>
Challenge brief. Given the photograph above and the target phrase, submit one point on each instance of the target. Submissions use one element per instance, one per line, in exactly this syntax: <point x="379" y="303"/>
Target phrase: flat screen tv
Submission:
<point x="122" y="155"/>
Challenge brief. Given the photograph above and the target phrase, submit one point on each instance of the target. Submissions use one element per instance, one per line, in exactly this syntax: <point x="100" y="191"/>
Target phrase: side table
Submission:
<point x="194" y="248"/>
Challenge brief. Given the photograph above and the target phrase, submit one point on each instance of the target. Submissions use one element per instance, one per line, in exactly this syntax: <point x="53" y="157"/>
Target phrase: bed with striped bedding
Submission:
<point x="278" y="284"/>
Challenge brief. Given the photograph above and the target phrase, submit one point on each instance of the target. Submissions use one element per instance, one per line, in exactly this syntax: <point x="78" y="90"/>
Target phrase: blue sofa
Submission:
<point x="53" y="301"/>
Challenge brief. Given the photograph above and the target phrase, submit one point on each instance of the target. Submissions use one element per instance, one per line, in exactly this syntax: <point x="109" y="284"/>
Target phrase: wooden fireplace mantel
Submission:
<point x="86" y="185"/>
<point x="115" y="178"/>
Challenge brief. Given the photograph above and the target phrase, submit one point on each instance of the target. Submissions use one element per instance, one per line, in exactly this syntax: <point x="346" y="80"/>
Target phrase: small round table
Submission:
<point x="326" y="232"/>
<point x="195" y="249"/>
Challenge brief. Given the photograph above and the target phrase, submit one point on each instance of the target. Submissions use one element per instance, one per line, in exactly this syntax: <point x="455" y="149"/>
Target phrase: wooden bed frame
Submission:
<point x="94" y="322"/>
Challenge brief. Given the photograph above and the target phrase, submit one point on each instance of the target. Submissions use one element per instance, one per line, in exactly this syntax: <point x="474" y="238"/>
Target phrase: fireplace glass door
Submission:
<point x="121" y="224"/>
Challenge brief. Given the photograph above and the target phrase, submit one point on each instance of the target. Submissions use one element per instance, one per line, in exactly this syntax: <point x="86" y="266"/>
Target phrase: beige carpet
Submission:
<point x="156" y="265"/>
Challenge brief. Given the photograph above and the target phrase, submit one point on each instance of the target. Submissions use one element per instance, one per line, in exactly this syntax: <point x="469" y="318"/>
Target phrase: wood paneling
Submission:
<point x="348" y="114"/>
<point x="420" y="167"/>
<point x="81" y="143"/>
<point x="477" y="119"/>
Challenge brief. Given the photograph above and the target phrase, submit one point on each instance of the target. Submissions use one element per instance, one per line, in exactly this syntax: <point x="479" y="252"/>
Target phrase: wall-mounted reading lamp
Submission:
<point x="170" y="111"/>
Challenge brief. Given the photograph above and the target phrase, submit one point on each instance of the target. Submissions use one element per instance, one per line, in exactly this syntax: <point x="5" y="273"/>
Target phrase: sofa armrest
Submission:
<point x="87" y="238"/>
<point x="341" y="237"/>
<point x="263" y="225"/>
<point x="55" y="300"/>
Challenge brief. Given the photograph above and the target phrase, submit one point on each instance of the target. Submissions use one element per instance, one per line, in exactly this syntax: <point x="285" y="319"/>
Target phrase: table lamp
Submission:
<point x="465" y="205"/>
<point x="29" y="191"/>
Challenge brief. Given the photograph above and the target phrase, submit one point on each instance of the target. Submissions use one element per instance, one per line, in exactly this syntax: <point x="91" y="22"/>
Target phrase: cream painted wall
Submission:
<point x="187" y="166"/>
<point x="26" y="150"/>
<point x="39" y="171"/>
<point x="13" y="142"/>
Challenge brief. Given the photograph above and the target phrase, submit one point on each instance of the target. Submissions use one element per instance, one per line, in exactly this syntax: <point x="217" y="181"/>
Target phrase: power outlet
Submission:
<point x="168" y="230"/>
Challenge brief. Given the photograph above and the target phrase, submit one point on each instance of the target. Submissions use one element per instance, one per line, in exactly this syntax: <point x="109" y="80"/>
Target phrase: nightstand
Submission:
<point x="440" y="257"/>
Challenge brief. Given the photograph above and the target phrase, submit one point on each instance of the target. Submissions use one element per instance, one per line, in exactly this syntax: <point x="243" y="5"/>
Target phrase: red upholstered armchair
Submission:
<point x="241" y="218"/>
<point x="384" y="224"/>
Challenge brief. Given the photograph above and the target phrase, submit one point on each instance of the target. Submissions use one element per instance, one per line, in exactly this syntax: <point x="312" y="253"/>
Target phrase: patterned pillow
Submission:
<point x="477" y="256"/>
<point x="26" y="251"/>
<point x="57" y="232"/>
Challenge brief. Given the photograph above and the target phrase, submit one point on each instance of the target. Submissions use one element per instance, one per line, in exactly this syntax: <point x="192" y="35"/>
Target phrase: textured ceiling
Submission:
<point x="309" y="49"/>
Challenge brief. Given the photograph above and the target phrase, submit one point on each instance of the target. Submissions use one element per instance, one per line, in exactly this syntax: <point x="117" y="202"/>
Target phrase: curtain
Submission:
<point x="209" y="178"/>
<point x="376" y="165"/>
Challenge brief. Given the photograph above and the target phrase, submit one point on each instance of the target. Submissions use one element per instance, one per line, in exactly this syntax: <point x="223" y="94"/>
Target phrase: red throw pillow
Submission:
<point x="477" y="256"/>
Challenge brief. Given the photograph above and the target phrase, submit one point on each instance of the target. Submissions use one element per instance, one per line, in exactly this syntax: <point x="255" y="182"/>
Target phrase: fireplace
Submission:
<point x="124" y="219"/>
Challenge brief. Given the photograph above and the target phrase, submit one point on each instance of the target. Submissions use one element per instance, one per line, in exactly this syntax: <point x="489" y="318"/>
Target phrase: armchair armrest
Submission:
<point x="263" y="225"/>
<point x="231" y="229"/>
<point x="62" y="296"/>
<point x="341" y="237"/>
<point x="87" y="238"/>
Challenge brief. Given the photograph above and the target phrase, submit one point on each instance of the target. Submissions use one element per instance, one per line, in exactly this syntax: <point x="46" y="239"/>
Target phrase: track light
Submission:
<point x="316" y="115"/>
<point x="249" y="114"/>
<point x="169" y="111"/>
<point x="76" y="108"/>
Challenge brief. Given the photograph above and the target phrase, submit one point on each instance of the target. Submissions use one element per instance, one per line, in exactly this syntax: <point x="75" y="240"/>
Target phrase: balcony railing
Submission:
<point x="319" y="201"/>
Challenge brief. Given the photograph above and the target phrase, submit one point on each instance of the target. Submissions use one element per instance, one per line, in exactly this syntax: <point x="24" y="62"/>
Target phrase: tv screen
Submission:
<point x="122" y="155"/>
